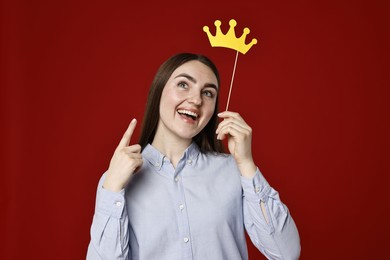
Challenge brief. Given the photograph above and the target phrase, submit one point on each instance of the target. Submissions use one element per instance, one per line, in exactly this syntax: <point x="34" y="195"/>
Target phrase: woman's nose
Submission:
<point x="195" y="98"/>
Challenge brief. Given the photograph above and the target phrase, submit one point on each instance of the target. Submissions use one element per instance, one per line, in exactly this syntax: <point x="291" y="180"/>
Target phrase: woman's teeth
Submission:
<point x="188" y="113"/>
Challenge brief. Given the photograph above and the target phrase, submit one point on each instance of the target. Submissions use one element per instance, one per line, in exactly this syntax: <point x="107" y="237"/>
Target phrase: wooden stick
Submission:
<point x="231" y="82"/>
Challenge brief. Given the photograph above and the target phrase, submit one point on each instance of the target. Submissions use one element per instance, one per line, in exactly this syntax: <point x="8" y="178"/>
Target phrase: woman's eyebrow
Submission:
<point x="185" y="75"/>
<point x="193" y="80"/>
<point x="211" y="85"/>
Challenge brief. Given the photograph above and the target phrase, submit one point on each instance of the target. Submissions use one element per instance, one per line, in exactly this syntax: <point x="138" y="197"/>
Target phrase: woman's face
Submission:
<point x="188" y="101"/>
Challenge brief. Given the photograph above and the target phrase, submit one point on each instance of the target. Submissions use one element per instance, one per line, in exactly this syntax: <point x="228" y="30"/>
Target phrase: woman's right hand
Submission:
<point x="124" y="163"/>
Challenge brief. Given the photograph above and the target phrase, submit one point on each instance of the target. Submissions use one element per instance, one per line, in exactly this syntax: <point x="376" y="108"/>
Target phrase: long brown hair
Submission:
<point x="205" y="139"/>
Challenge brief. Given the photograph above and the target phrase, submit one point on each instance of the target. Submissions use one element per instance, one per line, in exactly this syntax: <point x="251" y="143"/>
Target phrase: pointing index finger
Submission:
<point x="125" y="141"/>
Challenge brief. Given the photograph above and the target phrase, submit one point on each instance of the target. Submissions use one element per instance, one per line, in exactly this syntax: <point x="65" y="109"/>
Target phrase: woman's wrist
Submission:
<point x="247" y="169"/>
<point x="111" y="185"/>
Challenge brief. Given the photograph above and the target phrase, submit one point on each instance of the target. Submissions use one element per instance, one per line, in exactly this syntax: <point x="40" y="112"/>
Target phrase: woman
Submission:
<point x="175" y="195"/>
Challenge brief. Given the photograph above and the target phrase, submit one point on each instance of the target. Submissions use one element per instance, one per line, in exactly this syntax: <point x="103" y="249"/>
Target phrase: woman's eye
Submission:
<point x="182" y="85"/>
<point x="208" y="93"/>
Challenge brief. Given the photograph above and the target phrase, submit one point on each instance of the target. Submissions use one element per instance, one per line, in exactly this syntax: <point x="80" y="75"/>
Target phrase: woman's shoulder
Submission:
<point x="219" y="164"/>
<point x="218" y="157"/>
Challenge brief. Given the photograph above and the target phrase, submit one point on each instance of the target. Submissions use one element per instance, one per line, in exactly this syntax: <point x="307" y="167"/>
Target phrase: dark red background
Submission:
<point x="315" y="90"/>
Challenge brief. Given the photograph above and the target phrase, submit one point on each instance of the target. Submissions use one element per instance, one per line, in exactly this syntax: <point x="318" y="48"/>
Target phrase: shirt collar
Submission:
<point x="154" y="157"/>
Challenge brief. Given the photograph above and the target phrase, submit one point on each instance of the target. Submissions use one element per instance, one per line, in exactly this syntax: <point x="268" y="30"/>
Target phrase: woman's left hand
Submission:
<point x="239" y="135"/>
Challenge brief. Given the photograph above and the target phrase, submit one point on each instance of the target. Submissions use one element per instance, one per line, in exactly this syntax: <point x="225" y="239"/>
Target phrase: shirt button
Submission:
<point x="181" y="207"/>
<point x="118" y="203"/>
<point x="189" y="161"/>
<point x="257" y="190"/>
<point x="157" y="164"/>
<point x="186" y="239"/>
<point x="177" y="179"/>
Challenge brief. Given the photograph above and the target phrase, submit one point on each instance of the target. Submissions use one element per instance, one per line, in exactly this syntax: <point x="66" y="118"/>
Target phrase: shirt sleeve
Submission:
<point x="109" y="229"/>
<point x="278" y="238"/>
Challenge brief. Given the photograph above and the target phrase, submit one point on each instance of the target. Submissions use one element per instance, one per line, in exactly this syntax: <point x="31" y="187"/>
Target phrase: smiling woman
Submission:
<point x="205" y="139"/>
<point x="187" y="103"/>
<point x="175" y="195"/>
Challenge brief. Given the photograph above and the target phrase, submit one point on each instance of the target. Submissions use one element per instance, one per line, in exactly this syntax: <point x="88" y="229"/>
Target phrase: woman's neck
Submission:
<point x="172" y="147"/>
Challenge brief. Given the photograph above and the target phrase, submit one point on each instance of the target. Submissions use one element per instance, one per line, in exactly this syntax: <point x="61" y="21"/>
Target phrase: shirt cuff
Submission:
<point x="110" y="203"/>
<point x="255" y="188"/>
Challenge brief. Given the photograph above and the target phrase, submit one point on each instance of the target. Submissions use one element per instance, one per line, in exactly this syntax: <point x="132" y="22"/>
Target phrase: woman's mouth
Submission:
<point x="189" y="114"/>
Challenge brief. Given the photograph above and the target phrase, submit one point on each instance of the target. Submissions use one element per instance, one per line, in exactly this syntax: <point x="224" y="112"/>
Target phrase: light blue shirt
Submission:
<point x="197" y="210"/>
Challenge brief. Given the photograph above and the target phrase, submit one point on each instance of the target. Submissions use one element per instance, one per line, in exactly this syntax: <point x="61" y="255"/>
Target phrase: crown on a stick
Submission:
<point x="229" y="40"/>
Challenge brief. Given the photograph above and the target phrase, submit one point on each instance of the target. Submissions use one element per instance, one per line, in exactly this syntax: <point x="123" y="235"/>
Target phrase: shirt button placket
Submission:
<point x="182" y="216"/>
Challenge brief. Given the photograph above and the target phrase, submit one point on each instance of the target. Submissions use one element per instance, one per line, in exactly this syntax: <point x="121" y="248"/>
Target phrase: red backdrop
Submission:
<point x="315" y="89"/>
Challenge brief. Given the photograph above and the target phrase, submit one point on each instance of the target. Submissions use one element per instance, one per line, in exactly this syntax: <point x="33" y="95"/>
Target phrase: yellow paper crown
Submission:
<point x="229" y="40"/>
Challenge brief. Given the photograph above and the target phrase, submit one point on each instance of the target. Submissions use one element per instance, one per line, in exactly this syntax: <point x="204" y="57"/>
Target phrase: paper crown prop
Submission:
<point x="229" y="40"/>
